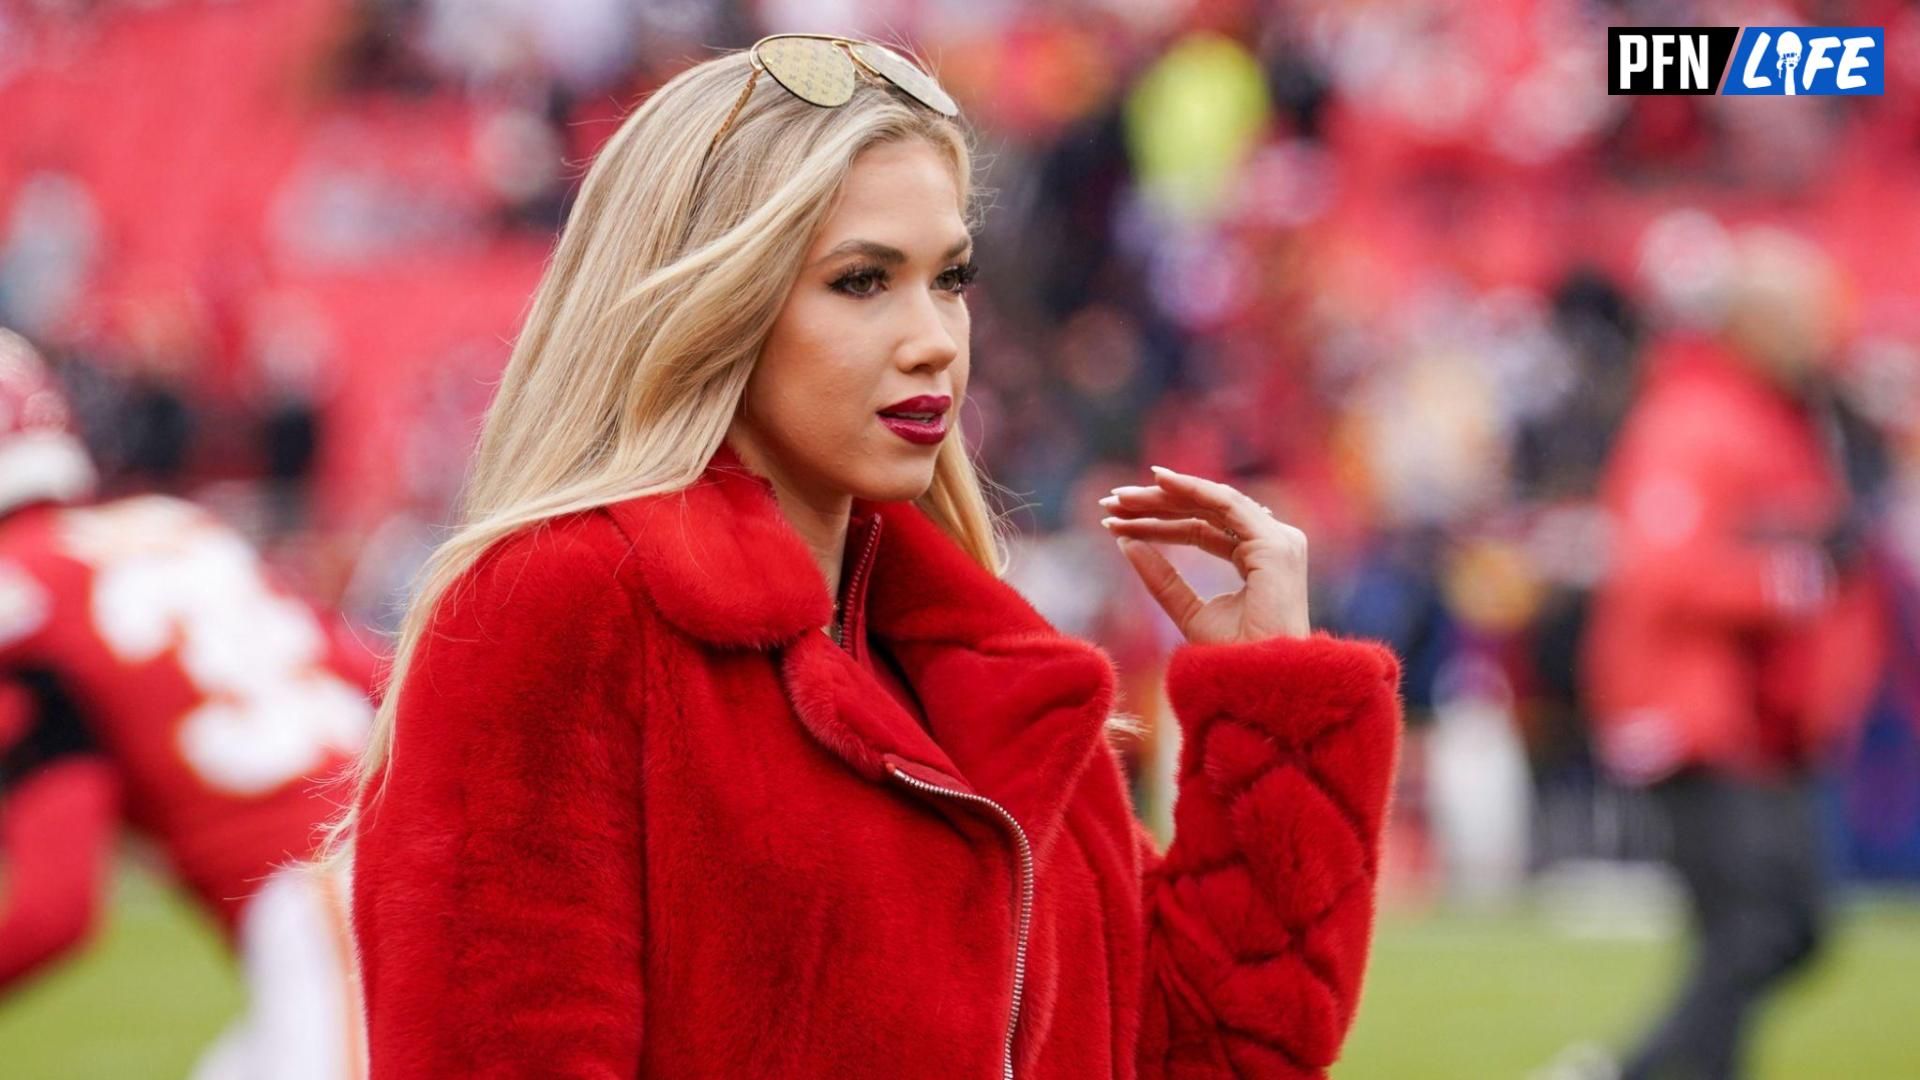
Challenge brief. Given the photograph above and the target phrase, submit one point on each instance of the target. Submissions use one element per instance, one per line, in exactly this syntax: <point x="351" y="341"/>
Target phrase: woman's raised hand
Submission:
<point x="1270" y="555"/>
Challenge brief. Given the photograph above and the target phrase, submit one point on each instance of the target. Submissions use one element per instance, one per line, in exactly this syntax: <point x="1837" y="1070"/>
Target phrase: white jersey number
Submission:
<point x="167" y="576"/>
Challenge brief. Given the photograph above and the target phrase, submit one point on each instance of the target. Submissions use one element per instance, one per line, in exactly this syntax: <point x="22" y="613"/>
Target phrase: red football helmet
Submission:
<point x="40" y="456"/>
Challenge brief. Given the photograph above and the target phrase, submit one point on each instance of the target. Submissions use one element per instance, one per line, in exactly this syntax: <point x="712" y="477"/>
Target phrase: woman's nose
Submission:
<point x="932" y="339"/>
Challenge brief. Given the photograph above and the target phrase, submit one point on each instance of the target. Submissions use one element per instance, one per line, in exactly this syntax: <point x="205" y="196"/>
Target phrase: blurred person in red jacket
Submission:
<point x="1735" y="636"/>
<point x="152" y="675"/>
<point x="718" y="744"/>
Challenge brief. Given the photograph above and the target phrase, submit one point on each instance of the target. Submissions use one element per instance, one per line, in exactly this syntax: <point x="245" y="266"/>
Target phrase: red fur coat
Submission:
<point x="644" y="818"/>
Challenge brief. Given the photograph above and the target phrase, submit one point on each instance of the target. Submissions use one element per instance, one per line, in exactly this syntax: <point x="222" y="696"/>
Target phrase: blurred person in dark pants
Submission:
<point x="1735" y="635"/>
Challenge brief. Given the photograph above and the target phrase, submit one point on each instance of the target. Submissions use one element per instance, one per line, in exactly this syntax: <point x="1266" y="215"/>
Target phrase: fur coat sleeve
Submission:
<point x="508" y="827"/>
<point x="1259" y="915"/>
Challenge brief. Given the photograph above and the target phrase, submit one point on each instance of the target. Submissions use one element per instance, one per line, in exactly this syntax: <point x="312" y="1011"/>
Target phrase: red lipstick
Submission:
<point x="921" y="420"/>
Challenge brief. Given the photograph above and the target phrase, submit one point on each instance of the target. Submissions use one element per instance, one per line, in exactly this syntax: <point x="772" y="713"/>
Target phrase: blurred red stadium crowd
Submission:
<point x="1388" y="266"/>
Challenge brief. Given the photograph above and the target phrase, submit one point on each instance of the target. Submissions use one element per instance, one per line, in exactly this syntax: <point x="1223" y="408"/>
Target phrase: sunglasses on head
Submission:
<point x="821" y="69"/>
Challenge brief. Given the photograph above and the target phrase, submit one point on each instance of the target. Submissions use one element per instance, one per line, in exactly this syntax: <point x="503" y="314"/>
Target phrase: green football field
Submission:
<point x="1472" y="998"/>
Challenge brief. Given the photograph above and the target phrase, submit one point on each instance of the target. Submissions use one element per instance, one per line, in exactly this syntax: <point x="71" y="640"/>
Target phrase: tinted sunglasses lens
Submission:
<point x="907" y="75"/>
<point x="810" y="68"/>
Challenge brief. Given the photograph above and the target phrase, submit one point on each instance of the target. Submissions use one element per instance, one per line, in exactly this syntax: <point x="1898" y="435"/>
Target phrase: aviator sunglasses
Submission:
<point x="821" y="69"/>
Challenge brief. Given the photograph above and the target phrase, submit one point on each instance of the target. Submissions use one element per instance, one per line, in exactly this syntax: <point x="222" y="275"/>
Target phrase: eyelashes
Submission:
<point x="870" y="279"/>
<point x="964" y="273"/>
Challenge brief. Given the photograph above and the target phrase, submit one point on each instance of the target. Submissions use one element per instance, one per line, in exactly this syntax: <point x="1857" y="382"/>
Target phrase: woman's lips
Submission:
<point x="922" y="432"/>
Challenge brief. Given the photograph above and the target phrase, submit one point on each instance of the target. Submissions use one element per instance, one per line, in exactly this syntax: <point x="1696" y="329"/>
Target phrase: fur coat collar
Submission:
<point x="1015" y="708"/>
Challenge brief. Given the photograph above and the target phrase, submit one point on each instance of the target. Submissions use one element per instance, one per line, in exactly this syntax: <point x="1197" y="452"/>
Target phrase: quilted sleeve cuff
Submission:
<point x="1295" y="687"/>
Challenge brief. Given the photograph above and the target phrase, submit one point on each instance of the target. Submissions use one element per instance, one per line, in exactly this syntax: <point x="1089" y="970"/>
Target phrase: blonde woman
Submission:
<point x="717" y="746"/>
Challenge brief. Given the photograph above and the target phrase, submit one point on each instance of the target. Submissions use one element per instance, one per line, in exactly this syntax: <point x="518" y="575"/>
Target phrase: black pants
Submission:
<point x="1752" y="860"/>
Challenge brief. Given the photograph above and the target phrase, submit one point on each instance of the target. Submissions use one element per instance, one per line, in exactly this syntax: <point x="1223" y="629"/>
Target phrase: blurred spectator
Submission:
<point x="1737" y="632"/>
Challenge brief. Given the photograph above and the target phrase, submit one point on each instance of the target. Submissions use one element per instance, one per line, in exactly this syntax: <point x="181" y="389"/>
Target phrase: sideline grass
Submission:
<point x="1484" y="998"/>
<point x="152" y="990"/>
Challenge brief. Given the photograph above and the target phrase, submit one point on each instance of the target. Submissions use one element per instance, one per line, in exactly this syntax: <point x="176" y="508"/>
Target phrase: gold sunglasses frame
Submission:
<point x="932" y="95"/>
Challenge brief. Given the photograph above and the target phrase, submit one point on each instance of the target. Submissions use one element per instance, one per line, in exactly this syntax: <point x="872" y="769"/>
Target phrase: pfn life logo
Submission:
<point x="1752" y="60"/>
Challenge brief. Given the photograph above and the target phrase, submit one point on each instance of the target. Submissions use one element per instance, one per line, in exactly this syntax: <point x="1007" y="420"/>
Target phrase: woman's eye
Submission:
<point x="958" y="279"/>
<point x="862" y="282"/>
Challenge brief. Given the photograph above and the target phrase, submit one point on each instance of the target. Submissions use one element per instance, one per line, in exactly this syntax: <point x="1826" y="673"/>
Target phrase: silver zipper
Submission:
<point x="840" y="629"/>
<point x="1025" y="851"/>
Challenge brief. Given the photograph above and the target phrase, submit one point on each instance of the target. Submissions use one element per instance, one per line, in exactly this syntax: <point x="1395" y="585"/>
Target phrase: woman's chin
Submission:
<point x="901" y="482"/>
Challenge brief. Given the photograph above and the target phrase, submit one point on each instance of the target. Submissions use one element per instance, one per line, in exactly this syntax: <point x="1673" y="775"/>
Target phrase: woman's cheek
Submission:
<point x="831" y="414"/>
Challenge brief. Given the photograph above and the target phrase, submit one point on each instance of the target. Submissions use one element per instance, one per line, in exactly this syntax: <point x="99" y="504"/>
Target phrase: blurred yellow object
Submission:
<point x="1193" y="119"/>
<point x="1491" y="585"/>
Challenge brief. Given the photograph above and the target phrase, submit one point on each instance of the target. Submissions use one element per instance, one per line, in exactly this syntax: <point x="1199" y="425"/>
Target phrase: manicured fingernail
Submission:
<point x="1111" y="500"/>
<point x="1109" y="521"/>
<point x="1161" y="469"/>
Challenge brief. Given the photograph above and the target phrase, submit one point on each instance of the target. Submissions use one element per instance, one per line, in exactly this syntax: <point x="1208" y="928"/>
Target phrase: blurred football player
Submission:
<point x="152" y="674"/>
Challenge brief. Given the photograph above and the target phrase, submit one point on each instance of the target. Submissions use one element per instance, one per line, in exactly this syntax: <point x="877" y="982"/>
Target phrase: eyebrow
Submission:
<point x="886" y="254"/>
